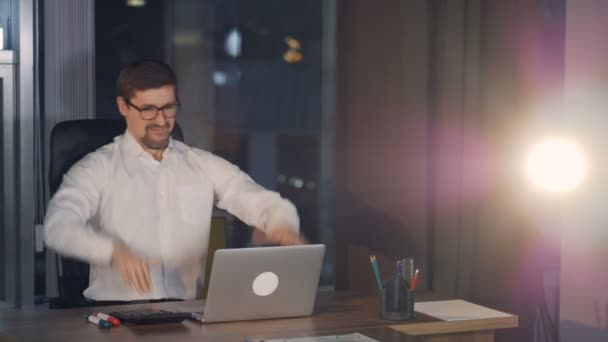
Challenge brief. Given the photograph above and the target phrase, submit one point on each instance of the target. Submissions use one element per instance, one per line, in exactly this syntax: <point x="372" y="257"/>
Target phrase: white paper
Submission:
<point x="356" y="337"/>
<point x="456" y="310"/>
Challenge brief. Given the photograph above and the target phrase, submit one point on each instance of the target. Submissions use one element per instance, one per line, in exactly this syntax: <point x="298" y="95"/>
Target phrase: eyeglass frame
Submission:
<point x="176" y="104"/>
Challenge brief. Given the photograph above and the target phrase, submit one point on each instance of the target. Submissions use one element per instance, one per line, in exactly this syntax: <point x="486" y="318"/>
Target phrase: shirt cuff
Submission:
<point x="286" y="215"/>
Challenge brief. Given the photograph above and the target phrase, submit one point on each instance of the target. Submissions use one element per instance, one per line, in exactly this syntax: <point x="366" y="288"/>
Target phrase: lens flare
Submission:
<point x="556" y="165"/>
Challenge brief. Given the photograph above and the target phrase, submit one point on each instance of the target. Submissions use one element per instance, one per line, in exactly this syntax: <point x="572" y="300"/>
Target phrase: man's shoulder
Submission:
<point x="195" y="152"/>
<point x="101" y="155"/>
<point x="189" y="151"/>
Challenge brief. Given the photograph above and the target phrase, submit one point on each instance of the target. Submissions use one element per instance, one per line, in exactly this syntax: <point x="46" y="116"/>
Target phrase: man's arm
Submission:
<point x="71" y="208"/>
<point x="66" y="231"/>
<point x="250" y="202"/>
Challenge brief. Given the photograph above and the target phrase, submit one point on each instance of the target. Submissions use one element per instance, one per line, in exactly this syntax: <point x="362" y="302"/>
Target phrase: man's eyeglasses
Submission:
<point x="150" y="112"/>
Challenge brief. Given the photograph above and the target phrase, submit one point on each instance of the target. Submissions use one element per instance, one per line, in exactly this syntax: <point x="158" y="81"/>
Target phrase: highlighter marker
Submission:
<point x="102" y="323"/>
<point x="113" y="320"/>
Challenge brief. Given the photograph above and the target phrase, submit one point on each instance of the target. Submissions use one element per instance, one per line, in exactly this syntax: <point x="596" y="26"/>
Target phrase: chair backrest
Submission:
<point x="70" y="141"/>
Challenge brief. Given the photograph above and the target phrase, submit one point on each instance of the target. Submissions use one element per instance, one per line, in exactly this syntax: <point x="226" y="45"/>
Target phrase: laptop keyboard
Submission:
<point x="150" y="316"/>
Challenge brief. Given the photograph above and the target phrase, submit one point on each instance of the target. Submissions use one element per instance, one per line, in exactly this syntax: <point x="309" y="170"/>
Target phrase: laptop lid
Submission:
<point x="263" y="282"/>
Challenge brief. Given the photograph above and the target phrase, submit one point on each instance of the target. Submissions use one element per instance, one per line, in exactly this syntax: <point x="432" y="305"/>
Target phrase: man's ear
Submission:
<point x="122" y="106"/>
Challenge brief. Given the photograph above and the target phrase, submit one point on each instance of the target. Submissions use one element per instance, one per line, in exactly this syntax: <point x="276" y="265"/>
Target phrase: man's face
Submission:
<point x="154" y="133"/>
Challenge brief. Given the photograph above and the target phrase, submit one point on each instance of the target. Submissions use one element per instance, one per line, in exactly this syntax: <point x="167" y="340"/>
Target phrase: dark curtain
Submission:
<point x="432" y="97"/>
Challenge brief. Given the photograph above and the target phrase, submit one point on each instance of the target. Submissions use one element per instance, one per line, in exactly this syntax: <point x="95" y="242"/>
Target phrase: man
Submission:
<point x="139" y="209"/>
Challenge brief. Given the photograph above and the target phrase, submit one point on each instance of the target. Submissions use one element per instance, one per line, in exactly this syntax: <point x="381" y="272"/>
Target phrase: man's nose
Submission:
<point x="160" y="118"/>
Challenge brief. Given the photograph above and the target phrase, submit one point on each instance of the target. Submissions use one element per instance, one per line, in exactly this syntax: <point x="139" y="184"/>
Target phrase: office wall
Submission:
<point x="584" y="263"/>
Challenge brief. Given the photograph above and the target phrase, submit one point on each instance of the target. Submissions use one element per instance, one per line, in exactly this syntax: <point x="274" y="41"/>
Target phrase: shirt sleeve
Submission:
<point x="66" y="226"/>
<point x="240" y="195"/>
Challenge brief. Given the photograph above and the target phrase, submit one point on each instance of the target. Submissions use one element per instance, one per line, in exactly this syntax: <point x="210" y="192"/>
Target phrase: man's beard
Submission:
<point x="156" y="144"/>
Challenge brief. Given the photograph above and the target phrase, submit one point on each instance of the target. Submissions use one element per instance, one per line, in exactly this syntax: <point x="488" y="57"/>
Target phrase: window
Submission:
<point x="250" y="81"/>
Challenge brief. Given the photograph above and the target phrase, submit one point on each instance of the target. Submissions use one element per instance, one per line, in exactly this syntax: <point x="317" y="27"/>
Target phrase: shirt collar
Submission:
<point x="131" y="148"/>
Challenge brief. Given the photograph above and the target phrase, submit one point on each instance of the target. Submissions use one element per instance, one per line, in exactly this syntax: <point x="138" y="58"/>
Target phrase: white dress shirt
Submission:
<point x="160" y="209"/>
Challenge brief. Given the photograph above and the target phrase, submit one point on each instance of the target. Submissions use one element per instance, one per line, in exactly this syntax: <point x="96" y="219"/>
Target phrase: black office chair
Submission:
<point x="70" y="141"/>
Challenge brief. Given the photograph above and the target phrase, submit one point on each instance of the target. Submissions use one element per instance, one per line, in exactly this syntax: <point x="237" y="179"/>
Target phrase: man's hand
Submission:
<point x="284" y="236"/>
<point x="133" y="269"/>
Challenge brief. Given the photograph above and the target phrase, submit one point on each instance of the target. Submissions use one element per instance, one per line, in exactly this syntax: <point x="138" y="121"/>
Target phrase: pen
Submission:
<point x="102" y="323"/>
<point x="397" y="281"/>
<point x="113" y="320"/>
<point x="374" y="263"/>
<point x="414" y="281"/>
<point x="408" y="270"/>
<point x="399" y="272"/>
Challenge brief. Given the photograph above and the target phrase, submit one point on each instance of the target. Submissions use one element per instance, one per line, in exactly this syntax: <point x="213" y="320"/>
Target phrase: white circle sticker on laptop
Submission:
<point x="265" y="284"/>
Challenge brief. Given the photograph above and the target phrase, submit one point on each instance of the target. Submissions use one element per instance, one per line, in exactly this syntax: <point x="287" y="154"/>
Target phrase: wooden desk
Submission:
<point x="335" y="313"/>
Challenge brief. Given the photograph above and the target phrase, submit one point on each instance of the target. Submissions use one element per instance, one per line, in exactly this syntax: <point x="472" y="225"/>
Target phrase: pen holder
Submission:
<point x="396" y="301"/>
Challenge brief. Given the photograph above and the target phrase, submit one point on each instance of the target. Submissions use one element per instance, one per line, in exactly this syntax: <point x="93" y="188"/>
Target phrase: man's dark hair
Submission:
<point x="144" y="75"/>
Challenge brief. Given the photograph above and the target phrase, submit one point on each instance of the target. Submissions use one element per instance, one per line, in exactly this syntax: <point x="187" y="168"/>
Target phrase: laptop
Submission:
<point x="261" y="283"/>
